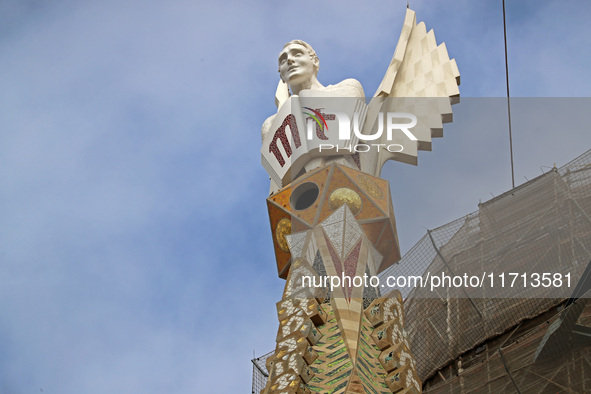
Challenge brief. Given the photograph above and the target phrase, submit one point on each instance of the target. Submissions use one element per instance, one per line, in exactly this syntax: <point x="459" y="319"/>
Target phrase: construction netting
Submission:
<point x="526" y="251"/>
<point x="259" y="372"/>
<point x="548" y="354"/>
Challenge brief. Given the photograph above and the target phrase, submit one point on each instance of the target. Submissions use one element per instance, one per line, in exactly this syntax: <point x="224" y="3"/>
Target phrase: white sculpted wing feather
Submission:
<point x="419" y="69"/>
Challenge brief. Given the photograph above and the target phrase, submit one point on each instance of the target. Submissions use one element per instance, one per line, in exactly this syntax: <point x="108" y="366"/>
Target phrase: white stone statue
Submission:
<point x="298" y="69"/>
<point x="420" y="83"/>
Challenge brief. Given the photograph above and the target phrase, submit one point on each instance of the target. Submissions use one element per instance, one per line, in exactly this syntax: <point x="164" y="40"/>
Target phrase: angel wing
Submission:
<point x="420" y="80"/>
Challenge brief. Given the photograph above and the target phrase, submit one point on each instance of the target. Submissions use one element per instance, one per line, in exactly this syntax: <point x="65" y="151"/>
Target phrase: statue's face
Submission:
<point x="296" y="66"/>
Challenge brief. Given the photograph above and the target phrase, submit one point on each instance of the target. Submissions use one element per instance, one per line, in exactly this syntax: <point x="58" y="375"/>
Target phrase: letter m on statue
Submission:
<point x="280" y="134"/>
<point x="290" y="142"/>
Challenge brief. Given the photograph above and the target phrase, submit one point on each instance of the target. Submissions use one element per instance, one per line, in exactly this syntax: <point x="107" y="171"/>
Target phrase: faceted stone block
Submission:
<point x="375" y="313"/>
<point x="313" y="197"/>
<point x="390" y="357"/>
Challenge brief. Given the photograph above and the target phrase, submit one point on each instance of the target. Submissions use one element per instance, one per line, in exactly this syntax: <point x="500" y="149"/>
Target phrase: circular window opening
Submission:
<point x="304" y="196"/>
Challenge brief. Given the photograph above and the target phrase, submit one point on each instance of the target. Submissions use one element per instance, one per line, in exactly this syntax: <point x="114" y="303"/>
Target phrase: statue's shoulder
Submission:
<point x="347" y="88"/>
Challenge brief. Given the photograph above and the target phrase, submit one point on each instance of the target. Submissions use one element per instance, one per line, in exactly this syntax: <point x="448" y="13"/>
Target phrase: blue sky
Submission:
<point x="135" y="249"/>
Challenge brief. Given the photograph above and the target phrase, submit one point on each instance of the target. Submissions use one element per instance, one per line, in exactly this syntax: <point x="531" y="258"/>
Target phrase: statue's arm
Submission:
<point x="266" y="127"/>
<point x="348" y="88"/>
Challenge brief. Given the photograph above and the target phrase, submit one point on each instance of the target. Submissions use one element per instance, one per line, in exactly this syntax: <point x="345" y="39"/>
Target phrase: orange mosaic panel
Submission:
<point x="282" y="257"/>
<point x="298" y="226"/>
<point x="376" y="188"/>
<point x="393" y="220"/>
<point x="388" y="247"/>
<point x="337" y="180"/>
<point x="281" y="198"/>
<point x="385" y="188"/>
<point x="320" y="179"/>
<point x="373" y="230"/>
<point x="340" y="179"/>
<point x="276" y="214"/>
<point x="368" y="209"/>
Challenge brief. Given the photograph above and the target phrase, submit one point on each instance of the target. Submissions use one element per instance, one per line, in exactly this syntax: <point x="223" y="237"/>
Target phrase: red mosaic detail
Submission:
<point x="334" y="256"/>
<point x="351" y="266"/>
<point x="281" y="135"/>
<point x="357" y="160"/>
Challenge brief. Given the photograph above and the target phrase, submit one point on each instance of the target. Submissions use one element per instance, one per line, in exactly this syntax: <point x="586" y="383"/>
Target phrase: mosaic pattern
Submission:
<point x="373" y="230"/>
<point x="312" y="250"/>
<point x="376" y="189"/>
<point x="352" y="233"/>
<point x="342" y="230"/>
<point x="333" y="366"/>
<point x="370" y="186"/>
<point x="319" y="265"/>
<point x="293" y="284"/>
<point x="321" y="270"/>
<point x="282" y="198"/>
<point x="388" y="247"/>
<point x="370" y="293"/>
<point x="280" y="134"/>
<point x="338" y="185"/>
<point x="281" y="256"/>
<point x="376" y="257"/>
<point x="296" y="243"/>
<point x="350" y="266"/>
<point x="333" y="228"/>
<point x="313" y="356"/>
<point x="344" y="195"/>
<point x="371" y="373"/>
<point x="336" y="260"/>
<point x="337" y="180"/>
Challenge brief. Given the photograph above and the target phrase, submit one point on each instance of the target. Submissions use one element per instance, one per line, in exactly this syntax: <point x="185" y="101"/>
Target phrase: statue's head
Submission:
<point x="298" y="62"/>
